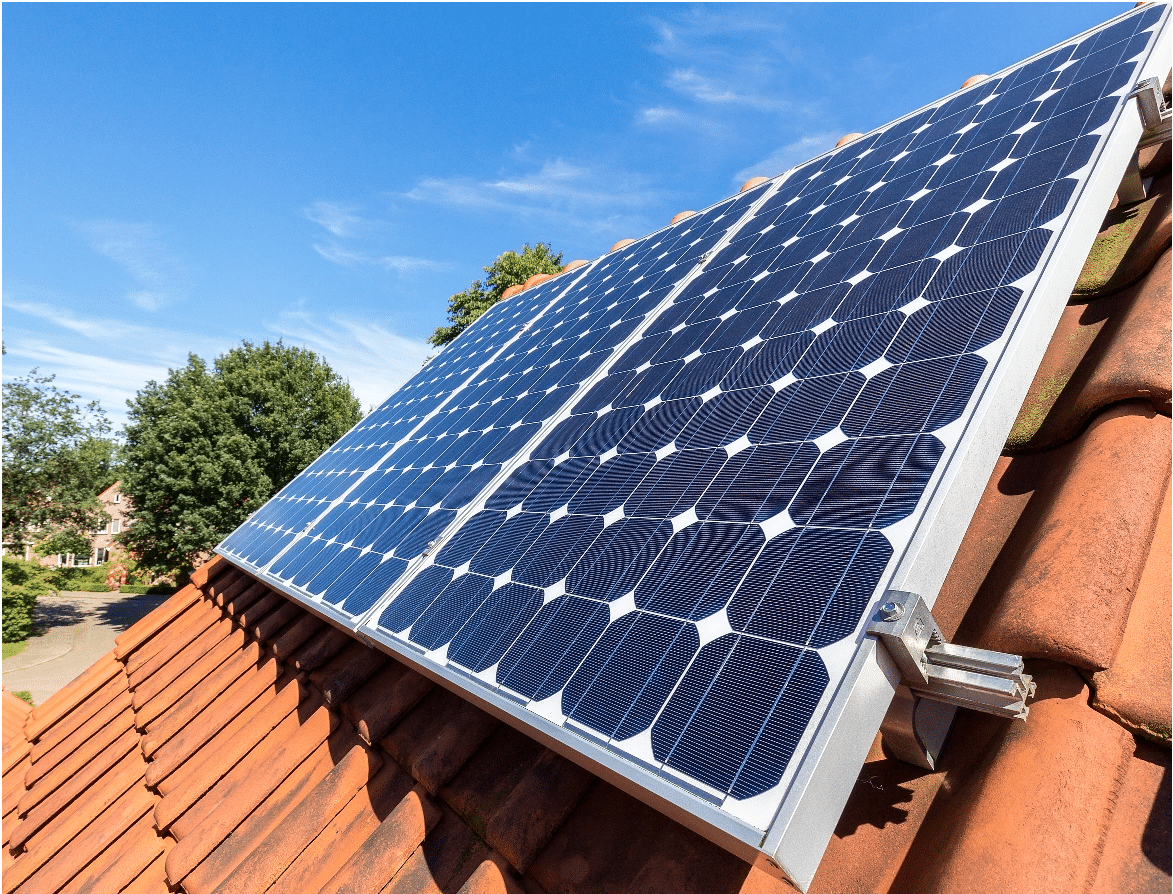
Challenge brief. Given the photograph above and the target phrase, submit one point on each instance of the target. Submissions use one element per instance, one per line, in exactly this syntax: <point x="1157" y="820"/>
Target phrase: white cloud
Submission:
<point x="585" y="196"/>
<point x="786" y="157"/>
<point x="336" y="218"/>
<point x="140" y="251"/>
<point x="702" y="88"/>
<point x="375" y="360"/>
<point x="336" y="253"/>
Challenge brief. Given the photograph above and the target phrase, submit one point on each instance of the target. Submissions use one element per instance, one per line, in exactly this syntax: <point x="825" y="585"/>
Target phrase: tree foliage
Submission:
<point x="57" y="459"/>
<point x="212" y="444"/>
<point x="510" y="269"/>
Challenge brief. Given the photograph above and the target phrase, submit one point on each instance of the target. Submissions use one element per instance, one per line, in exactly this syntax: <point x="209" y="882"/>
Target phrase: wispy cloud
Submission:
<point x="139" y="249"/>
<point x="374" y="358"/>
<point x="704" y="89"/>
<point x="786" y="157"/>
<point x="336" y="253"/>
<point x="583" y="195"/>
<point x="337" y="219"/>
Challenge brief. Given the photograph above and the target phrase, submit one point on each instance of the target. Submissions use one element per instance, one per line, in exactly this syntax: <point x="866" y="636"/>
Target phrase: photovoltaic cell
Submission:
<point x="664" y="494"/>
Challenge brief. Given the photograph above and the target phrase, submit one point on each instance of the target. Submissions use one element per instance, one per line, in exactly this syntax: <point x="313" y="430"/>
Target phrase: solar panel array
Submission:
<point x="664" y="496"/>
<point x="349" y="526"/>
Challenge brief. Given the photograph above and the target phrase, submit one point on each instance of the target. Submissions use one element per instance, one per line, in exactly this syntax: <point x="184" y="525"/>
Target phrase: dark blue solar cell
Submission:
<point x="606" y="431"/>
<point x="471" y="536"/>
<point x="618" y="558"/>
<point x="805" y="311"/>
<point x="331" y="570"/>
<point x="914" y="397"/>
<point x="698" y="569"/>
<point x="625" y="679"/>
<point x="492" y="629"/>
<point x="552" y="554"/>
<point x="874" y="482"/>
<point x="954" y="326"/>
<point x="511" y="540"/>
<point x="561" y="484"/>
<point x="611" y="483"/>
<point x="699" y="374"/>
<point x="289" y="559"/>
<point x="355" y="571"/>
<point x="675" y="483"/>
<point x="399" y="529"/>
<point x="562" y="438"/>
<point x="658" y="426"/>
<point x="512" y="443"/>
<point x="806" y="409"/>
<point x="308" y="569"/>
<point x="449" y="611"/>
<point x="738" y="713"/>
<point x="381" y="522"/>
<point x="757" y="483"/>
<point x="724" y="418"/>
<point x="369" y="590"/>
<point x="541" y="660"/>
<point x="422" y="535"/>
<point x="988" y="265"/>
<point x="406" y="608"/>
<point x="810" y="586"/>
<point x="849" y="346"/>
<point x="767" y="361"/>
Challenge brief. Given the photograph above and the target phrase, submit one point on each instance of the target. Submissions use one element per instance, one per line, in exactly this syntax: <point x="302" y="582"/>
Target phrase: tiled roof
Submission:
<point x="232" y="742"/>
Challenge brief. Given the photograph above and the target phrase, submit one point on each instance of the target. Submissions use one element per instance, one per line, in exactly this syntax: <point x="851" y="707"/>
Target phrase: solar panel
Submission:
<point x="644" y="512"/>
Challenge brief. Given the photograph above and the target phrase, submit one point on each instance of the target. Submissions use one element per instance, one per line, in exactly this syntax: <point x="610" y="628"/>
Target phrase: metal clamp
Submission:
<point x="940" y="672"/>
<point x="1155" y="115"/>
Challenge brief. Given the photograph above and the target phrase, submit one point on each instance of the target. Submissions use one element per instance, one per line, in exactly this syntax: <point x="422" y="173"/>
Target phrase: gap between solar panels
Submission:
<point x="682" y="517"/>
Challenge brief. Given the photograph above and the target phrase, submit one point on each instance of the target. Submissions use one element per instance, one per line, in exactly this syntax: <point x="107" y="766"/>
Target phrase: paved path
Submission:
<point x="70" y="632"/>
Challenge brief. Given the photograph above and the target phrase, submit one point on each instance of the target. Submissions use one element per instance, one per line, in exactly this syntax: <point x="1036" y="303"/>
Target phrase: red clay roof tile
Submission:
<point x="1063" y="587"/>
<point x="1110" y="350"/>
<point x="1134" y="856"/>
<point x="382" y="855"/>
<point x="1131" y="238"/>
<point x="317" y="651"/>
<point x="1014" y="792"/>
<point x="231" y="747"/>
<point x="295" y="636"/>
<point x="248" y="670"/>
<point x="272" y="856"/>
<point x="385" y="699"/>
<point x="1135" y="689"/>
<point x="347" y="671"/>
<point x="489" y="878"/>
<point x="202" y="828"/>
<point x="220" y="864"/>
<point x="160" y="618"/>
<point x="436" y="739"/>
<point x="63" y="703"/>
<point x="338" y="840"/>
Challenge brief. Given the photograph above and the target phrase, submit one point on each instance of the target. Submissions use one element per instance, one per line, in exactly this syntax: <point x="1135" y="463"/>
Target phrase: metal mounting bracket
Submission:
<point x="938" y="677"/>
<point x="1156" y="116"/>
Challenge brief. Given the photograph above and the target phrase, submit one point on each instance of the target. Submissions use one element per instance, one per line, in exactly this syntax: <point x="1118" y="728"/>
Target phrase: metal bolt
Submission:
<point x="891" y="611"/>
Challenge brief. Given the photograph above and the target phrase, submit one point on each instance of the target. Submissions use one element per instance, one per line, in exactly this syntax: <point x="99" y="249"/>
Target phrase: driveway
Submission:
<point x="70" y="632"/>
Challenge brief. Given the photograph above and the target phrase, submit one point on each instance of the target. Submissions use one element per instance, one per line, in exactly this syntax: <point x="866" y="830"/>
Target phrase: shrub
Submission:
<point x="23" y="583"/>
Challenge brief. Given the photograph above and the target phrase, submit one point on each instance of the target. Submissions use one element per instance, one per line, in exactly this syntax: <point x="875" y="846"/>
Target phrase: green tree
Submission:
<point x="210" y="445"/>
<point x="510" y="269"/>
<point x="57" y="458"/>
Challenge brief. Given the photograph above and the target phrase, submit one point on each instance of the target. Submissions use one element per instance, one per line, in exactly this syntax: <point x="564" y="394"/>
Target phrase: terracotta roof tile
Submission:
<point x="64" y="738"/>
<point x="350" y="826"/>
<point x="1130" y="240"/>
<point x="347" y="671"/>
<point x="320" y="649"/>
<point x="385" y="699"/>
<point x="62" y="703"/>
<point x="295" y="636"/>
<point x="232" y="745"/>
<point x="202" y="828"/>
<point x="263" y="821"/>
<point x="436" y="738"/>
<point x="1134" y="857"/>
<point x="273" y="855"/>
<point x="1135" y="689"/>
<point x="159" y="619"/>
<point x="1004" y="786"/>
<point x="1113" y="349"/>
<point x="380" y="857"/>
<point x="488" y="878"/>
<point x="15" y="713"/>
<point x="1072" y="552"/>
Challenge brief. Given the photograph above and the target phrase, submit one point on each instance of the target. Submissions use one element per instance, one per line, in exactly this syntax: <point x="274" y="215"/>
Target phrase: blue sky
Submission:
<point x="177" y="178"/>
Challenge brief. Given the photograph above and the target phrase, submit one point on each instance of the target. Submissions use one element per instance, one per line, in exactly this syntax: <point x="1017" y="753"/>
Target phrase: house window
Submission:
<point x="101" y="556"/>
<point x="118" y="498"/>
<point x="116" y="526"/>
